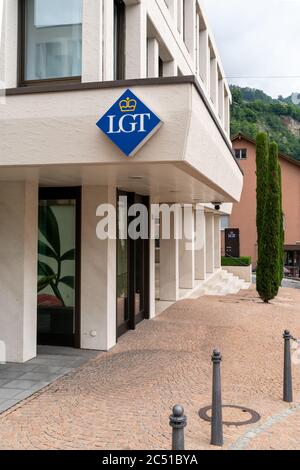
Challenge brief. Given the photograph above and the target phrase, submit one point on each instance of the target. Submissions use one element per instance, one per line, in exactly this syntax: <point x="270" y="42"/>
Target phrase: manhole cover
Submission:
<point x="232" y="415"/>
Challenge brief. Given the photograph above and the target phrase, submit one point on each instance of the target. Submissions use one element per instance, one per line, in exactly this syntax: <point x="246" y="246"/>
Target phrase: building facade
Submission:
<point x="64" y="64"/>
<point x="244" y="214"/>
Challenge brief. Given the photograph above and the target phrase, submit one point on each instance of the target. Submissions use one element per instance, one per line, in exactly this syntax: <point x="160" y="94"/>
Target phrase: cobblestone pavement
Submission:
<point x="122" y="400"/>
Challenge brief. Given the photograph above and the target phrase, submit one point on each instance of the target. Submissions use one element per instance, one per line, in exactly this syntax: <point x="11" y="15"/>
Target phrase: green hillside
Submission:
<point x="253" y="111"/>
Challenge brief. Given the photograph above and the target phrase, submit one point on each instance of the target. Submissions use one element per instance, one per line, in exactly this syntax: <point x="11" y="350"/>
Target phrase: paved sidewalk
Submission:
<point x="20" y="381"/>
<point x="122" y="400"/>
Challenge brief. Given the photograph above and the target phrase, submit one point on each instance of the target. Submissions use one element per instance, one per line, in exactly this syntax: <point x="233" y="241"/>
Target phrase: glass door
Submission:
<point x="58" y="267"/>
<point x="132" y="268"/>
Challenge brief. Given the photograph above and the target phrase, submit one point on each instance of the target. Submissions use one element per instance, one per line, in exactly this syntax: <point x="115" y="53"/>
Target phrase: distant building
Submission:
<point x="244" y="214"/>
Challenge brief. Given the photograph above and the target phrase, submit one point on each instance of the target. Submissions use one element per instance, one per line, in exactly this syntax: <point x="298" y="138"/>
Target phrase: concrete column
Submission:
<point x="169" y="260"/>
<point x="190" y="27"/>
<point x="172" y="5"/>
<point x="217" y="241"/>
<point x="9" y="43"/>
<point x="210" y="243"/>
<point x="153" y="58"/>
<point x="170" y="68"/>
<point x="214" y="92"/>
<point x="152" y="230"/>
<point x="204" y="58"/>
<point x="136" y="41"/>
<point x="98" y="274"/>
<point x="18" y="273"/>
<point x="180" y="15"/>
<point x="108" y="40"/>
<point x="92" y="41"/>
<point x="227" y="113"/>
<point x="187" y="249"/>
<point x="200" y="244"/>
<point x="221" y="99"/>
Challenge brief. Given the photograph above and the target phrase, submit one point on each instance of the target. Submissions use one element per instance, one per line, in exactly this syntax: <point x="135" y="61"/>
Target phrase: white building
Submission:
<point x="64" y="63"/>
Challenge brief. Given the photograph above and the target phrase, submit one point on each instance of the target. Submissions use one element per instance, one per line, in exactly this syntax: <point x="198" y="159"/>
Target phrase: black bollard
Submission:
<point x="216" y="418"/>
<point x="178" y="422"/>
<point x="287" y="374"/>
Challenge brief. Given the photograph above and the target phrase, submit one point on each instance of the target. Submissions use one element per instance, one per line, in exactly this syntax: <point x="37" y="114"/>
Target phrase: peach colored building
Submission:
<point x="244" y="214"/>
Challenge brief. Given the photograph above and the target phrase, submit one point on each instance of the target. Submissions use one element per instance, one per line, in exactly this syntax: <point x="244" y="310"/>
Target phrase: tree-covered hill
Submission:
<point x="253" y="111"/>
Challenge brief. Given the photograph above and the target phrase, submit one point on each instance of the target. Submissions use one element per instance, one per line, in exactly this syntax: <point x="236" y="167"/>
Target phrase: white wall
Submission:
<point x="190" y="53"/>
<point x="18" y="273"/>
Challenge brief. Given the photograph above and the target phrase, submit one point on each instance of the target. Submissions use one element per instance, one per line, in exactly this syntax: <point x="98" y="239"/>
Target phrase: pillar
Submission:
<point x="204" y="57"/>
<point x="136" y="41"/>
<point x="187" y="249"/>
<point x="153" y="58"/>
<point x="217" y="241"/>
<point x="210" y="244"/>
<point x="190" y="27"/>
<point x="200" y="244"/>
<point x="92" y="41"/>
<point x="18" y="272"/>
<point x="169" y="259"/>
<point x="170" y="68"/>
<point x="221" y="100"/>
<point x="214" y="92"/>
<point x="98" y="274"/>
<point x="108" y="40"/>
<point x="152" y="230"/>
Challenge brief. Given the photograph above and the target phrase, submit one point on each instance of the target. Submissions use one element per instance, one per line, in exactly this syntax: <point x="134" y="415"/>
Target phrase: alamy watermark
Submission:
<point x="176" y="221"/>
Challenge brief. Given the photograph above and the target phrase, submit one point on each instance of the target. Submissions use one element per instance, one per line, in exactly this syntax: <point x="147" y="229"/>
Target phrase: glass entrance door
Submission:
<point x="132" y="268"/>
<point x="58" y="267"/>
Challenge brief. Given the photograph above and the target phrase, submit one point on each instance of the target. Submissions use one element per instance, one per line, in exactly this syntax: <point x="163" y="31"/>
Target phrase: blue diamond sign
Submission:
<point x="129" y="123"/>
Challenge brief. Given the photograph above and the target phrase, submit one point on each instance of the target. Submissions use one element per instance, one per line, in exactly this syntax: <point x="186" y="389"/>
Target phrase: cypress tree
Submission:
<point x="262" y="155"/>
<point x="281" y="244"/>
<point x="270" y="236"/>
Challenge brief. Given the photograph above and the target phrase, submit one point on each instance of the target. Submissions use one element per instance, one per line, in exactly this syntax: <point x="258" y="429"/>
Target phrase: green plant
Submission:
<point x="48" y="227"/>
<point x="242" y="261"/>
<point x="269" y="226"/>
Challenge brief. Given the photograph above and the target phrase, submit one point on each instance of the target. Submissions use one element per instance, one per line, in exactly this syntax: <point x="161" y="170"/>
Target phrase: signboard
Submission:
<point x="129" y="123"/>
<point x="232" y="242"/>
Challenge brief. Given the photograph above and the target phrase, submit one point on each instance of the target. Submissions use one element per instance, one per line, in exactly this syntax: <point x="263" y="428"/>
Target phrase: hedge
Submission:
<point x="242" y="261"/>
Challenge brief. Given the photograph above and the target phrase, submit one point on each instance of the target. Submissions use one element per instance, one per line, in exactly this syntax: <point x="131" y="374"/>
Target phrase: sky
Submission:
<point x="258" y="38"/>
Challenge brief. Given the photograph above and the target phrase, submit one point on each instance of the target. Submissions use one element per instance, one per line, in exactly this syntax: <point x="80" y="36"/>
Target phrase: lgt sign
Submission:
<point x="129" y="123"/>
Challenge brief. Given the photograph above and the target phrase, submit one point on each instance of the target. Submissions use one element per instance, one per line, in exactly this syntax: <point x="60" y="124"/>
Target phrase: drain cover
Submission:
<point x="232" y="415"/>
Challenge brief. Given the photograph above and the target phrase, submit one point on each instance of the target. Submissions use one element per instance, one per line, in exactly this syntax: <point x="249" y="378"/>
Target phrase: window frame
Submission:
<point x="22" y="53"/>
<point x="241" y="150"/>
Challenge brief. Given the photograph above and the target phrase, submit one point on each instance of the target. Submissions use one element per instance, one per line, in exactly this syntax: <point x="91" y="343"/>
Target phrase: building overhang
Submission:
<point x="50" y="133"/>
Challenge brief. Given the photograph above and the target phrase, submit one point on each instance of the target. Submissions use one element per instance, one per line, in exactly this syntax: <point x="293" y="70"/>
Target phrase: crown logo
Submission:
<point x="127" y="105"/>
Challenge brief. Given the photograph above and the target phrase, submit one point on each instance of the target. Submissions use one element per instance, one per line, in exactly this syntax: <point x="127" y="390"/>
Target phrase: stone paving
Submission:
<point x="20" y="381"/>
<point x="122" y="399"/>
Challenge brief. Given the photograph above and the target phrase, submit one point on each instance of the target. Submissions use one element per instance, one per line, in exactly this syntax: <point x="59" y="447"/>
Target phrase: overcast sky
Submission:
<point x="258" y="38"/>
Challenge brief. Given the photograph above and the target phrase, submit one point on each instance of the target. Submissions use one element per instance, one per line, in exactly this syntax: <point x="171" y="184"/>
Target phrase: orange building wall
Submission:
<point x="244" y="214"/>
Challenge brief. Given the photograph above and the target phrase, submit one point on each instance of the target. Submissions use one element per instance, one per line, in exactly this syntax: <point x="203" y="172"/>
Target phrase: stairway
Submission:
<point x="220" y="283"/>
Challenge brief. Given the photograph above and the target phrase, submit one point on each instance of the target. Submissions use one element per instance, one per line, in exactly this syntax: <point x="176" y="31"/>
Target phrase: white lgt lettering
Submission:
<point x="137" y="123"/>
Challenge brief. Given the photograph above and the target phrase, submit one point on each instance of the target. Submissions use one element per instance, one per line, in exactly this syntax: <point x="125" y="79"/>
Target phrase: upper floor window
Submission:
<point x="51" y="39"/>
<point x="241" y="154"/>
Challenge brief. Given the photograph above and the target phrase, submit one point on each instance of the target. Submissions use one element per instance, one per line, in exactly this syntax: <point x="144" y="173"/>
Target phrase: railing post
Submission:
<point x="287" y="373"/>
<point x="178" y="422"/>
<point x="216" y="418"/>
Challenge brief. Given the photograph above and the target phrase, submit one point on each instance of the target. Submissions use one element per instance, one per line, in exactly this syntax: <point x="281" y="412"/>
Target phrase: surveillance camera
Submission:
<point x="217" y="205"/>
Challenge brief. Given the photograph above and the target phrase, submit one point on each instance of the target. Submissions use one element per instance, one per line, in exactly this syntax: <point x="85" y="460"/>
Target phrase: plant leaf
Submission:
<point x="68" y="281"/>
<point x="46" y="250"/>
<point x="68" y="256"/>
<point x="45" y="282"/>
<point x="45" y="270"/>
<point x="48" y="226"/>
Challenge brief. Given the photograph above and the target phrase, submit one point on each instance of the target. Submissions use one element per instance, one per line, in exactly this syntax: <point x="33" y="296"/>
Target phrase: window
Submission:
<point x="51" y="39"/>
<point x="225" y="222"/>
<point x="119" y="39"/>
<point x="241" y="154"/>
<point x="160" y="67"/>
